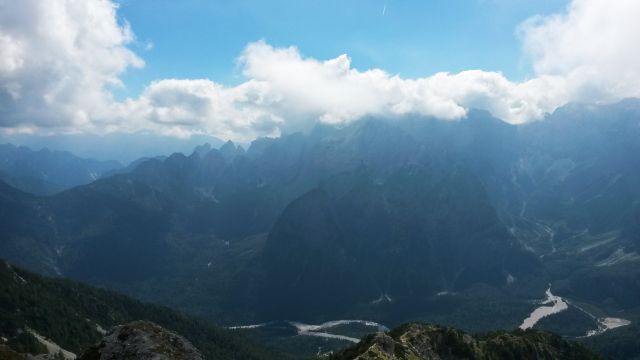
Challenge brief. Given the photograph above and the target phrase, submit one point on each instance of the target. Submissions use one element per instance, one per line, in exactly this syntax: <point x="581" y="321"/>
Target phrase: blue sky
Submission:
<point x="201" y="39"/>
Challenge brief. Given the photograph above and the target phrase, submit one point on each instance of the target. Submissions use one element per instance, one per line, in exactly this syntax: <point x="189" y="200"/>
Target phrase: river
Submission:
<point x="557" y="305"/>
<point x="321" y="330"/>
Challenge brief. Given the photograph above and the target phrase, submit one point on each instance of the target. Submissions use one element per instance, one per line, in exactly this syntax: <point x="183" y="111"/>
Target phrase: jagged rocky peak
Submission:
<point x="427" y="341"/>
<point x="142" y="340"/>
<point x="230" y="150"/>
<point x="203" y="149"/>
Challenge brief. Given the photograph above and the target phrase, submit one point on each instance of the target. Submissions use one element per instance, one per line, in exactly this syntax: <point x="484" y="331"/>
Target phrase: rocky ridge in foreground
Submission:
<point x="142" y="340"/>
<point x="426" y="341"/>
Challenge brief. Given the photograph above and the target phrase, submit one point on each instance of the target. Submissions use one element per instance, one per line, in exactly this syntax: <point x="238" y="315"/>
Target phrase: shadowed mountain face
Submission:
<point x="364" y="212"/>
<point x="379" y="217"/>
<point x="414" y="235"/>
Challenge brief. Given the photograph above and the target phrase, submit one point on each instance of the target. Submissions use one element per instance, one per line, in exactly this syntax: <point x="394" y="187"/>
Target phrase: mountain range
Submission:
<point x="464" y="223"/>
<point x="46" y="172"/>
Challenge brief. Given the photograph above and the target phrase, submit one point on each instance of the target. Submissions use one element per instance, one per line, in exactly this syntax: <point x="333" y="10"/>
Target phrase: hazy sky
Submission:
<point x="241" y="69"/>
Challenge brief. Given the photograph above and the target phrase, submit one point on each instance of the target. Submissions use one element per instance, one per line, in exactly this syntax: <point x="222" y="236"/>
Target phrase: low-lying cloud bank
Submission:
<point x="59" y="60"/>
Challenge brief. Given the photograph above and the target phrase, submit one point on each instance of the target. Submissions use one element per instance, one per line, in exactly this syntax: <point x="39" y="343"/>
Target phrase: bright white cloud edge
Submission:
<point x="586" y="53"/>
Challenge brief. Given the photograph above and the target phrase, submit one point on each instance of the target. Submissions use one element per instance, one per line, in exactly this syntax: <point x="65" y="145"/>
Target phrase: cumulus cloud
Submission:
<point x="180" y="107"/>
<point x="58" y="60"/>
<point x="592" y="46"/>
<point x="585" y="53"/>
<point x="286" y="91"/>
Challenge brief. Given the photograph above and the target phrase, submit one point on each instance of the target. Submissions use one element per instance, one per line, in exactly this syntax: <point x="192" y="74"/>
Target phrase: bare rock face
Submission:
<point x="434" y="342"/>
<point x="142" y="340"/>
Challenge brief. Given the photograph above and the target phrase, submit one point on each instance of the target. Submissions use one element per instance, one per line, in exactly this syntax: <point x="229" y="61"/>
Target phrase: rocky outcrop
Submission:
<point x="142" y="340"/>
<point x="8" y="354"/>
<point x="433" y="342"/>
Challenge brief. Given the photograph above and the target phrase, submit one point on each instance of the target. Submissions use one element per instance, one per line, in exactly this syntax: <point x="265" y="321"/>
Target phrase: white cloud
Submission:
<point x="586" y="53"/>
<point x="286" y="91"/>
<point x="181" y="107"/>
<point x="11" y="54"/>
<point x="57" y="60"/>
<point x="593" y="45"/>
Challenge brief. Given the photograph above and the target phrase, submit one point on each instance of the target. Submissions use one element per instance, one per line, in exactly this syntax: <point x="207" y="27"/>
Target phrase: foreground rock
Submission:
<point x="142" y="340"/>
<point x="423" y="341"/>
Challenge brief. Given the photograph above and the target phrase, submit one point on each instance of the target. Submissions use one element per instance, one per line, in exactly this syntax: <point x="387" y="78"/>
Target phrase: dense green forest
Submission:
<point x="73" y="315"/>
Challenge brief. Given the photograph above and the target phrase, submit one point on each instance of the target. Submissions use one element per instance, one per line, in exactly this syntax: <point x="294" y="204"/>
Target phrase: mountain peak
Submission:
<point x="203" y="149"/>
<point x="142" y="340"/>
<point x="228" y="145"/>
<point x="229" y="150"/>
